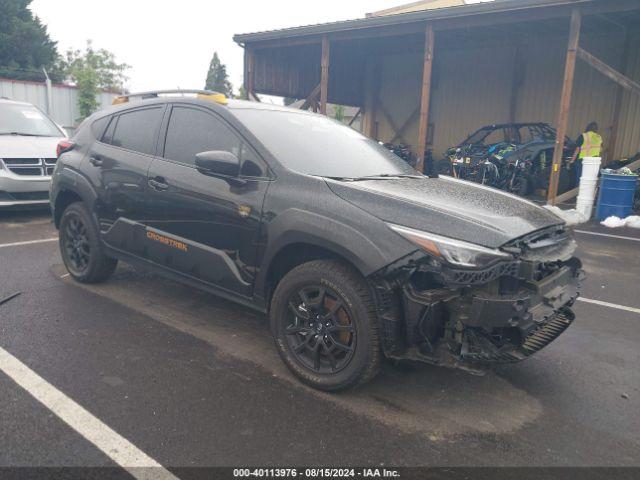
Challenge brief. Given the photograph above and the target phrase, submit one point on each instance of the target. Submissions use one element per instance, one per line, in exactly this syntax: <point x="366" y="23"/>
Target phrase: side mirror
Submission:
<point x="218" y="162"/>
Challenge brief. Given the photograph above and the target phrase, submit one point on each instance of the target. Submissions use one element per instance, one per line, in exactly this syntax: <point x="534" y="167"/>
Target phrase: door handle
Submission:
<point x="95" y="161"/>
<point x="158" y="183"/>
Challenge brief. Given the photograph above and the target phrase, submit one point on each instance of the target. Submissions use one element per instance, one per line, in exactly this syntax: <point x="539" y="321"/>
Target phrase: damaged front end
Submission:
<point x="436" y="307"/>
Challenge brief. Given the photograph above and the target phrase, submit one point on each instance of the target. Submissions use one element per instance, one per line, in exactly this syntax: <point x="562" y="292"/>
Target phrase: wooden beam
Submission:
<point x="565" y="102"/>
<point x="353" y="119"/>
<point x="310" y="100"/>
<point x="606" y="70"/>
<point x="406" y="124"/>
<point x="617" y="105"/>
<point x="425" y="95"/>
<point x="567" y="195"/>
<point x="392" y="124"/>
<point x="324" y="77"/>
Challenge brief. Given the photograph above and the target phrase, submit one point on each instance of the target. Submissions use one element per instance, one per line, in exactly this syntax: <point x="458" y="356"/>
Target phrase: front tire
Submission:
<point x="80" y="246"/>
<point x="323" y="321"/>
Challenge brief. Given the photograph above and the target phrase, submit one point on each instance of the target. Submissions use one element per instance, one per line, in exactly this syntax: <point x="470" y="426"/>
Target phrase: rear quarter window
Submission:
<point x="98" y="127"/>
<point x="137" y="130"/>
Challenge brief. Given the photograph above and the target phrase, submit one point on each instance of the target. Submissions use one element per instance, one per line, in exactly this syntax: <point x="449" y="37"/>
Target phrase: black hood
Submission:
<point x="448" y="207"/>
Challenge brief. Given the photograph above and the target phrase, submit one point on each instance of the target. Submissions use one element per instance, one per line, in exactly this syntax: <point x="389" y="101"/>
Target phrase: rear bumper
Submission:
<point x="17" y="190"/>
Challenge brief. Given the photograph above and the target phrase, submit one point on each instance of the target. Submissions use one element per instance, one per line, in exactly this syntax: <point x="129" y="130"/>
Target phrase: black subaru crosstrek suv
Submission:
<point x="353" y="254"/>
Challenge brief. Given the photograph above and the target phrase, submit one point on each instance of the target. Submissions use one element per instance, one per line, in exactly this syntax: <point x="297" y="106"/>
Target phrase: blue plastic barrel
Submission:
<point x="616" y="195"/>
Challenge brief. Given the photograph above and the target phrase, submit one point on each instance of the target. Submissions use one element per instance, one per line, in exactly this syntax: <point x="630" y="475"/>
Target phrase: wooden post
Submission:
<point x="249" y="79"/>
<point x="565" y="102"/>
<point x="617" y="107"/>
<point x="425" y="95"/>
<point x="370" y="93"/>
<point x="324" y="78"/>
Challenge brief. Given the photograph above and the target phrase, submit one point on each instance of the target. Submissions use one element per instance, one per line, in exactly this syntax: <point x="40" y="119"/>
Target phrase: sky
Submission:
<point x="170" y="44"/>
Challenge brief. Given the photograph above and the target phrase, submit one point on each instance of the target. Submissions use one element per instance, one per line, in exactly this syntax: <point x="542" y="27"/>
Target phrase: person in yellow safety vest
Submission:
<point x="588" y="145"/>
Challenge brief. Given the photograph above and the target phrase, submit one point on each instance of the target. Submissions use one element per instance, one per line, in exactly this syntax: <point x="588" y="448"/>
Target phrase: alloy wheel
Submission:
<point x="319" y="329"/>
<point x="76" y="243"/>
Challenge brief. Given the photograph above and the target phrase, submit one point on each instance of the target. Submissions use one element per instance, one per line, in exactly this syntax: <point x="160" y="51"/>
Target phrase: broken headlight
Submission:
<point x="455" y="252"/>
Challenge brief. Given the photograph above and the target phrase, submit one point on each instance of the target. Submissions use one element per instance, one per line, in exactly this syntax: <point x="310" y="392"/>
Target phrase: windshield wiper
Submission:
<point x="380" y="176"/>
<point x="341" y="179"/>
<point x="24" y="134"/>
<point x="388" y="175"/>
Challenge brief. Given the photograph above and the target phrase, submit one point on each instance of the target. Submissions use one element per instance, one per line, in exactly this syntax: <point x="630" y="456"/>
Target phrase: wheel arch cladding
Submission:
<point x="294" y="254"/>
<point x="69" y="187"/>
<point x="63" y="200"/>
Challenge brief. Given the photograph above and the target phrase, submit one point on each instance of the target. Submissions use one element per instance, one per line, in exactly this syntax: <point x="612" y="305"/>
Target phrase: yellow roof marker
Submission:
<point x="214" y="97"/>
<point x="120" y="99"/>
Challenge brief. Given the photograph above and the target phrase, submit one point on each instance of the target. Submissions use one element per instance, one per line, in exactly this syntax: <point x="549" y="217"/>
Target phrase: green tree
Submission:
<point x="25" y="46"/>
<point x="92" y="70"/>
<point x="217" y="78"/>
<point x="242" y="93"/>
<point x="338" y="113"/>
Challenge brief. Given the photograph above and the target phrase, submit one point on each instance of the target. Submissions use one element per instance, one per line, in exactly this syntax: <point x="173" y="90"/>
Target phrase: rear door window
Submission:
<point x="137" y="130"/>
<point x="193" y="131"/>
<point x="98" y="127"/>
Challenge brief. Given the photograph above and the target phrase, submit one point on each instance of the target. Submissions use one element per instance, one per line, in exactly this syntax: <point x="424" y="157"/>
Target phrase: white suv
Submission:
<point x="28" y="141"/>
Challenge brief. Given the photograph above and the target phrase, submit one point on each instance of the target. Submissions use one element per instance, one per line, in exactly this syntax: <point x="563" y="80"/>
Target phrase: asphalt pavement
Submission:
<point x="182" y="378"/>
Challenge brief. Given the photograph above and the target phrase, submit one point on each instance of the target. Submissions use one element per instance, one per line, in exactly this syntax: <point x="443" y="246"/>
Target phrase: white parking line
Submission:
<point x="608" y="235"/>
<point x="610" y="305"/>
<point x="28" y="242"/>
<point x="116" y="447"/>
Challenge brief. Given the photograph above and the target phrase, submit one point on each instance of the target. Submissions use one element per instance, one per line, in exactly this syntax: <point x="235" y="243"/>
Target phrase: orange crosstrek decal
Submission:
<point x="167" y="241"/>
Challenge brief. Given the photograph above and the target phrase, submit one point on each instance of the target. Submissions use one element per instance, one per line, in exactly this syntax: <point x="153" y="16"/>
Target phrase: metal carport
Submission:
<point x="428" y="78"/>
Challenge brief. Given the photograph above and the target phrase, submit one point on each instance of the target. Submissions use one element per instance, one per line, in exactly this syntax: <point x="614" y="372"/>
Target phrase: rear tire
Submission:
<point x="80" y="246"/>
<point x="323" y="321"/>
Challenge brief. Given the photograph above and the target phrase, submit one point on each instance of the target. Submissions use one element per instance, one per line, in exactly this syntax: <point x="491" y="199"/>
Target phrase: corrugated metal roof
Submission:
<point x="496" y="6"/>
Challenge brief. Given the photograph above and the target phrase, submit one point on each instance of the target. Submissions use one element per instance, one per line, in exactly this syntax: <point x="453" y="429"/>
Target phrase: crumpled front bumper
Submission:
<point x="504" y="320"/>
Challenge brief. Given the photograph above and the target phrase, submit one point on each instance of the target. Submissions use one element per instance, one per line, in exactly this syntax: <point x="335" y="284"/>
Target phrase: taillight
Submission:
<point x="64" y="146"/>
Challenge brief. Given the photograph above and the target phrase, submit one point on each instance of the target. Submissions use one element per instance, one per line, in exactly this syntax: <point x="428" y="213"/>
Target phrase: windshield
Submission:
<point x="317" y="145"/>
<point x="23" y="119"/>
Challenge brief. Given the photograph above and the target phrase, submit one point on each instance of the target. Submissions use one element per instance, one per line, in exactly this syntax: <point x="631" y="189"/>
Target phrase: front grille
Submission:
<point x="32" y="172"/>
<point x="31" y="167"/>
<point x="22" y="161"/>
